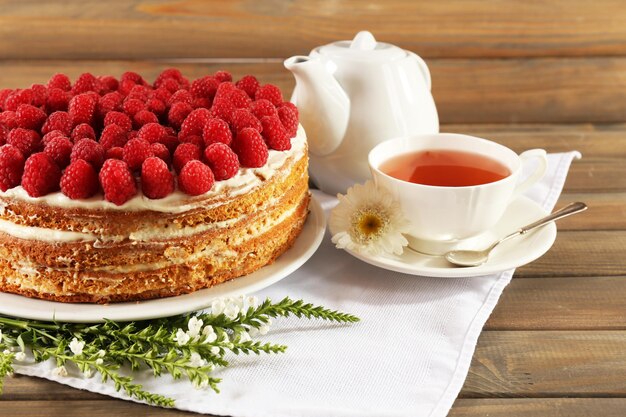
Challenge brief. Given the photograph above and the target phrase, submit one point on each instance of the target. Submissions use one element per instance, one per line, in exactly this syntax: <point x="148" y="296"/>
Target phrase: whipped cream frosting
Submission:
<point x="177" y="202"/>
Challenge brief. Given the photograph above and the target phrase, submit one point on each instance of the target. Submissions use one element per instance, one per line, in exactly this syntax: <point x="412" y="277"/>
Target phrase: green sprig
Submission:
<point x="105" y="348"/>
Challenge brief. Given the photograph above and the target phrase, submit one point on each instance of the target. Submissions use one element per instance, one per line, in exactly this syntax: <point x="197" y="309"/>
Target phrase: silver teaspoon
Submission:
<point x="479" y="257"/>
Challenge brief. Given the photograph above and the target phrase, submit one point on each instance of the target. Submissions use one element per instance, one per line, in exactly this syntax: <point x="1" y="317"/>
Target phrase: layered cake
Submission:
<point x="118" y="190"/>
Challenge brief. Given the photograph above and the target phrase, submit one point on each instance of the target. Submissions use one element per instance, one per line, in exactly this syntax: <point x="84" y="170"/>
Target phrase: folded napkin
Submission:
<point x="408" y="356"/>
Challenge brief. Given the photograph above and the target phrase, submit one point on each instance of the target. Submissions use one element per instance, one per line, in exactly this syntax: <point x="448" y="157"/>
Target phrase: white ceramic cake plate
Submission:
<point x="510" y="254"/>
<point x="304" y="247"/>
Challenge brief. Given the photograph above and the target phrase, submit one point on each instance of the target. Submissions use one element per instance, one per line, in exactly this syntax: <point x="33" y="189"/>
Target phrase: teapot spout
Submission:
<point x="323" y="104"/>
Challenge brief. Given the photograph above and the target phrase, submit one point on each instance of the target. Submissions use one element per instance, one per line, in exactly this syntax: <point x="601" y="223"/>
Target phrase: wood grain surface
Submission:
<point x="527" y="74"/>
<point x="119" y="29"/>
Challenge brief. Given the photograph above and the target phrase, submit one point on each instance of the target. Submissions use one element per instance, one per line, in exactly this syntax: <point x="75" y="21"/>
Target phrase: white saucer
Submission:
<point x="304" y="247"/>
<point x="510" y="254"/>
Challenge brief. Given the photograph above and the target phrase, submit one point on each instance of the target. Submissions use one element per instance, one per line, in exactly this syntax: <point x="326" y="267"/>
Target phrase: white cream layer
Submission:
<point x="178" y="202"/>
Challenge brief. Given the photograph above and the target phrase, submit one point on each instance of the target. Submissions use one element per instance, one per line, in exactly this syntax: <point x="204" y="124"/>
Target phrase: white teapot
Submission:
<point x="353" y="95"/>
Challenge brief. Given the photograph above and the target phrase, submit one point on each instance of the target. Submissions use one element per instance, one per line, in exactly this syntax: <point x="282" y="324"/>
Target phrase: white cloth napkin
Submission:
<point x="407" y="357"/>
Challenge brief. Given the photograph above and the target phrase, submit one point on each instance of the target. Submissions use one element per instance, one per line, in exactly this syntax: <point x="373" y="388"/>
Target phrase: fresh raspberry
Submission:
<point x="156" y="179"/>
<point x="249" y="84"/>
<point x="204" y="87"/>
<point x="133" y="106"/>
<point x="195" y="139"/>
<point x="85" y="82"/>
<point x="223" y="91"/>
<point x="223" y="76"/>
<point x="61" y="81"/>
<point x="275" y="134"/>
<point x="134" y="77"/>
<point x="216" y="130"/>
<point x="57" y="100"/>
<point x="160" y="151"/>
<point x="40" y="93"/>
<point x="250" y="148"/>
<point x="162" y="94"/>
<point x="135" y="152"/>
<point x="194" y="123"/>
<point x="139" y="92"/>
<point x="81" y="109"/>
<point x="132" y="135"/>
<point x="8" y="119"/>
<point x="51" y="135"/>
<point x="30" y="117"/>
<point x="59" y="120"/>
<point x="89" y="150"/>
<point x="184" y="153"/>
<point x="170" y="85"/>
<point x="289" y="120"/>
<point x="152" y="132"/>
<point x="108" y="83"/>
<point x="118" y="118"/>
<point x="125" y="86"/>
<point x="59" y="149"/>
<point x="173" y="73"/>
<point x="117" y="181"/>
<point x="144" y="117"/>
<point x="11" y="167"/>
<point x="222" y="160"/>
<point x="171" y="142"/>
<point x="201" y="103"/>
<point x="79" y="180"/>
<point x="292" y="106"/>
<point x="41" y="175"/>
<point x="115" y="152"/>
<point x="195" y="178"/>
<point x="270" y="92"/>
<point x="83" y="131"/>
<point x="223" y="109"/>
<point x="239" y="98"/>
<point x="113" y="135"/>
<point x="18" y="97"/>
<point x="27" y="141"/>
<point x="109" y="102"/>
<point x="242" y="119"/>
<point x="180" y="95"/>
<point x="4" y="133"/>
<point x="262" y="108"/>
<point x="177" y="114"/>
<point x="4" y="94"/>
<point x="156" y="106"/>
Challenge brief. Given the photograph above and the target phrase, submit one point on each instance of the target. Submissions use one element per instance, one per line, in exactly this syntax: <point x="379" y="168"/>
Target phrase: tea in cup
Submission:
<point x="452" y="187"/>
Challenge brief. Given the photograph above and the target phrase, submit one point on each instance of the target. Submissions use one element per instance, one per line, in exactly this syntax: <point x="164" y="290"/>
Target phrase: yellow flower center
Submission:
<point x="368" y="224"/>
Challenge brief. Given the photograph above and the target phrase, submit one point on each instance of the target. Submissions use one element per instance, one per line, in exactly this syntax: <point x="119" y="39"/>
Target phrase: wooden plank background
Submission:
<point x="548" y="74"/>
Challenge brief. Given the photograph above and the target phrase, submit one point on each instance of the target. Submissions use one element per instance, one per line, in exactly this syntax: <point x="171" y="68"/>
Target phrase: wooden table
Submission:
<point x="524" y="74"/>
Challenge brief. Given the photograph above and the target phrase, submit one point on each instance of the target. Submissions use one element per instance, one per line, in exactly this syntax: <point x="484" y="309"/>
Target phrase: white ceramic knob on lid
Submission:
<point x="363" y="46"/>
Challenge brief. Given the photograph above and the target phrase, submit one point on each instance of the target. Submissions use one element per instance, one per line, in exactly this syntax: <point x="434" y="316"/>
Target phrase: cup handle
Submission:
<point x="539" y="172"/>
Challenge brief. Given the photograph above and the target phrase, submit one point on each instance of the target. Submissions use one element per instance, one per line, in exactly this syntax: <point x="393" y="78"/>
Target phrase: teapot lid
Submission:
<point x="363" y="46"/>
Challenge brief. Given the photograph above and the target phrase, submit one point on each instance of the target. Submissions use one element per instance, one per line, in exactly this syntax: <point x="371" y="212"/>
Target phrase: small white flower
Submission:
<point x="99" y="361"/>
<point x="231" y="311"/>
<point x="59" y="371"/>
<point x="215" y="350"/>
<point x="238" y="301"/>
<point x="182" y="338"/>
<point x="209" y="334"/>
<point x="20" y="356"/>
<point x="252" y="301"/>
<point x="244" y="337"/>
<point x="196" y="361"/>
<point x="6" y="352"/>
<point x="101" y="353"/>
<point x="195" y="326"/>
<point x="217" y="307"/>
<point x="368" y="220"/>
<point x="201" y="385"/>
<point x="262" y="330"/>
<point x="88" y="373"/>
<point x="76" y="346"/>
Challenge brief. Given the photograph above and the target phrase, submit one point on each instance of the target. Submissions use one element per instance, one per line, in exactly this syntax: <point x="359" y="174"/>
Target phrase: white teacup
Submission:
<point x="441" y="216"/>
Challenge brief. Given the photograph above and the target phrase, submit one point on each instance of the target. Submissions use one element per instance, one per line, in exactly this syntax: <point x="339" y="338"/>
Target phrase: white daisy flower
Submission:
<point x="368" y="220"/>
<point x="76" y="346"/>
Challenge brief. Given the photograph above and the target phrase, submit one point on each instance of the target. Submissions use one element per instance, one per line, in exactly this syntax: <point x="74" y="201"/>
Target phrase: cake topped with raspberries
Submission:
<point x="118" y="190"/>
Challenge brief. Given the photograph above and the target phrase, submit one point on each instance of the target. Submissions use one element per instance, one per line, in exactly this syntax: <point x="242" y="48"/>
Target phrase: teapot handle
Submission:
<point x="423" y="68"/>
